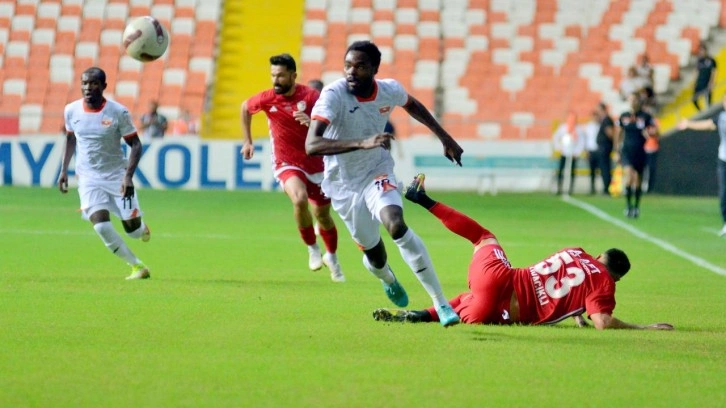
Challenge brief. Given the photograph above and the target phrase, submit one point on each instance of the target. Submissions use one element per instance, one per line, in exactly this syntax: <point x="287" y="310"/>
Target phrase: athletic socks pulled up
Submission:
<point x="114" y="242"/>
<point x="417" y="257"/>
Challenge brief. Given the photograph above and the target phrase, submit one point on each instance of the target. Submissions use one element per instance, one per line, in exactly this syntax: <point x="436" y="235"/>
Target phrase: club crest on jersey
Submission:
<point x="384" y="109"/>
<point x="106" y="122"/>
<point x="301" y="106"/>
<point x="273" y="108"/>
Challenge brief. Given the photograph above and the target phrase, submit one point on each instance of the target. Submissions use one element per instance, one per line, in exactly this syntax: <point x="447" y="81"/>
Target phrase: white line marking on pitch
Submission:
<point x="74" y="232"/>
<point x="642" y="235"/>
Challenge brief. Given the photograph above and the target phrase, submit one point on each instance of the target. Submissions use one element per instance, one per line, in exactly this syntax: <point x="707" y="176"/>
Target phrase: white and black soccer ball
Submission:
<point x="145" y="39"/>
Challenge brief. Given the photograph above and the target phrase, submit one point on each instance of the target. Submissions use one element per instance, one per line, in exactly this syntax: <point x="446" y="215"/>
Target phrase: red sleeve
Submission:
<point x="254" y="104"/>
<point x="602" y="299"/>
<point x="129" y="136"/>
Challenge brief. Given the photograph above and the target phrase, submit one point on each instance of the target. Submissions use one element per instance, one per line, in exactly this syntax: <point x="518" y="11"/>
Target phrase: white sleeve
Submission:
<point x="398" y="94"/>
<point x="125" y="124"/>
<point x="67" y="118"/>
<point x="327" y="107"/>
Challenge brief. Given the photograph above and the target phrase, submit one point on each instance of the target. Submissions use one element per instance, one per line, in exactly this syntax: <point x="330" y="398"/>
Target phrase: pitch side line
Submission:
<point x="74" y="232"/>
<point x="642" y="235"/>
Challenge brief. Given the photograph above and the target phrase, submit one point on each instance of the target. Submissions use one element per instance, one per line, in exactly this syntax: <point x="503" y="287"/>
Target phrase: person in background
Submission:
<point x="590" y="130"/>
<point x="705" y="74"/>
<point x="316" y="84"/>
<point x="631" y="83"/>
<point x="153" y="123"/>
<point x="605" y="136"/>
<point x="652" y="144"/>
<point x="645" y="71"/>
<point x="568" y="143"/>
<point x="184" y="124"/>
<point x="718" y="124"/>
<point x="635" y="127"/>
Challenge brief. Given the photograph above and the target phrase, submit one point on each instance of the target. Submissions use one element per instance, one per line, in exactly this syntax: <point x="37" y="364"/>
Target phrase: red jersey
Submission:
<point x="566" y="284"/>
<point x="288" y="135"/>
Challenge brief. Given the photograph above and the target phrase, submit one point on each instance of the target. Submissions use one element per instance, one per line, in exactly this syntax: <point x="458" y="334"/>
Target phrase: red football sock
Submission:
<point x="460" y="224"/>
<point x="308" y="234"/>
<point x="330" y="238"/>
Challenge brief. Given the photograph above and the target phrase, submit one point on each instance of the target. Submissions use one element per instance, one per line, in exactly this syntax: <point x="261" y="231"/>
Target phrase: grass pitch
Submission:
<point x="233" y="318"/>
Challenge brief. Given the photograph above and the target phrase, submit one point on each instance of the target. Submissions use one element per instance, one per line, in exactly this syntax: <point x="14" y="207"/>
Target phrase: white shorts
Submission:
<point x="361" y="210"/>
<point x="106" y="195"/>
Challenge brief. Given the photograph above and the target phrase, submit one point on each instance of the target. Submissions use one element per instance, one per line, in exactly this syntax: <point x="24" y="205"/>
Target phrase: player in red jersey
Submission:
<point x="288" y="106"/>
<point x="566" y="284"/>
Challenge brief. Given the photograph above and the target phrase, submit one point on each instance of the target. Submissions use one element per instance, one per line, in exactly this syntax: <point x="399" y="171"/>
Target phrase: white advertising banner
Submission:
<point x="193" y="163"/>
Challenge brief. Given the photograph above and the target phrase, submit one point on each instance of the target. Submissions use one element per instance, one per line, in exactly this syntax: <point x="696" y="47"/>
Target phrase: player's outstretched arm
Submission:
<point x="418" y="111"/>
<point x="705" y="124"/>
<point x="68" y="152"/>
<point x="317" y="145"/>
<point x="604" y="321"/>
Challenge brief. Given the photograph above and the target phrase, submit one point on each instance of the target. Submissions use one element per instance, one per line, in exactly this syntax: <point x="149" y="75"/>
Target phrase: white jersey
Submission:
<point x="349" y="118"/>
<point x="98" y="138"/>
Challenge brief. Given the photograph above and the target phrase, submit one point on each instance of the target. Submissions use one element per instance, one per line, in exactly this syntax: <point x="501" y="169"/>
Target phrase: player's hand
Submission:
<point x="683" y="124"/>
<point x="63" y="183"/>
<point x="380" y="140"/>
<point x="659" y="326"/>
<point x="452" y="150"/>
<point x="127" y="188"/>
<point x="580" y="321"/>
<point x="247" y="151"/>
<point x="301" y="117"/>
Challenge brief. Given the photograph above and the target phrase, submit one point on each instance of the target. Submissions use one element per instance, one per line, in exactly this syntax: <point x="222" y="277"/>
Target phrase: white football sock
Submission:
<point x="416" y="256"/>
<point x="137" y="233"/>
<point x="385" y="274"/>
<point x="115" y="243"/>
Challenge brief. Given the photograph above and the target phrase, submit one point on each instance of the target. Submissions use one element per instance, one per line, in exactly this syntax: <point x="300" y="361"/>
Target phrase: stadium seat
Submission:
<point x="31" y="116"/>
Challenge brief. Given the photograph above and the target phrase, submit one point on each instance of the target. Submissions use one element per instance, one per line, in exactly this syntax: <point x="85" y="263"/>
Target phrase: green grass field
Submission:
<point x="233" y="318"/>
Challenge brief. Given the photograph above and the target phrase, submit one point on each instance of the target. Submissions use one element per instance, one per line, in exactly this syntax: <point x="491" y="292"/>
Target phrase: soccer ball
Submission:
<point x="145" y="39"/>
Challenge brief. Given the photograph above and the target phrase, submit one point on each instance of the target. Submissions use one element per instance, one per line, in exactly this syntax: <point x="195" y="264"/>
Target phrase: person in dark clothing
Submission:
<point x="706" y="72"/>
<point x="635" y="127"/>
<point x="604" y="139"/>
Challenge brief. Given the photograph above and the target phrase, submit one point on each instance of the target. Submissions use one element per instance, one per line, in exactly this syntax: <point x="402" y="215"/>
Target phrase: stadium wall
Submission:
<point x="194" y="163"/>
<point x="687" y="164"/>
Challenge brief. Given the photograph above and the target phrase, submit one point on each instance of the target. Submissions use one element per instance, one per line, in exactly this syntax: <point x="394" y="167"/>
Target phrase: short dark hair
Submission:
<point x="285" y="60"/>
<point x="316" y="84"/>
<point x="97" y="73"/>
<point x="617" y="261"/>
<point x="369" y="49"/>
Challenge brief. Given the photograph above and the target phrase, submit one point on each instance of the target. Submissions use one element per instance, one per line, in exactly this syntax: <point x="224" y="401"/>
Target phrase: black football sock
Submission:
<point x="629" y="196"/>
<point x="425" y="201"/>
<point x="638" y="194"/>
<point x="422" y="316"/>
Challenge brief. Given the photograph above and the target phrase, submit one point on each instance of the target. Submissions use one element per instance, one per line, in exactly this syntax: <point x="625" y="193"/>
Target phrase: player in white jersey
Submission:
<point x="347" y="127"/>
<point x="94" y="129"/>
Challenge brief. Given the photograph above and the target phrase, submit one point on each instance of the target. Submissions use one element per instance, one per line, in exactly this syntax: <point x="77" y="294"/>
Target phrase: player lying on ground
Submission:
<point x="566" y="284"/>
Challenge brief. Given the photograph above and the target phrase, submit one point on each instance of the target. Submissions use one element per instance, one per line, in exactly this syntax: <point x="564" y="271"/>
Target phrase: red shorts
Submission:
<point x="315" y="193"/>
<point x="490" y="282"/>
